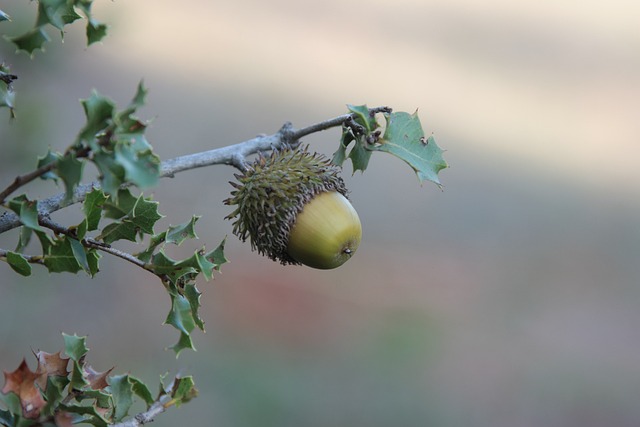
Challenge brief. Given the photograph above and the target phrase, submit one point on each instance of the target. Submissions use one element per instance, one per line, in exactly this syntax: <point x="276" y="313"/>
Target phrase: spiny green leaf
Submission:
<point x="363" y="118"/>
<point x="193" y="296"/>
<point x="217" y="256"/>
<point x="122" y="391"/>
<point x="45" y="241"/>
<point x="69" y="169"/>
<point x="111" y="173"/>
<point x="79" y="252"/>
<point x="179" y="233"/>
<point x="142" y="168"/>
<point x="24" y="238"/>
<point x="74" y="346"/>
<point x="121" y="230"/>
<point x="47" y="159"/>
<point x="99" y="112"/>
<point x="92" y="208"/>
<point x="359" y="156"/>
<point x="183" y="390"/>
<point x="124" y="118"/>
<point x="56" y="12"/>
<point x="155" y="241"/>
<point x="136" y="215"/>
<point x="121" y="205"/>
<point x="96" y="31"/>
<point x="31" y="40"/>
<point x="200" y="264"/>
<point x="184" y="343"/>
<point x="77" y="379"/>
<point x="141" y="390"/>
<point x="405" y="139"/>
<point x="61" y="257"/>
<point x="341" y="154"/>
<point x="93" y="259"/>
<point x="180" y="316"/>
<point x="19" y="263"/>
<point x="163" y="264"/>
<point x="54" y="392"/>
<point x="27" y="211"/>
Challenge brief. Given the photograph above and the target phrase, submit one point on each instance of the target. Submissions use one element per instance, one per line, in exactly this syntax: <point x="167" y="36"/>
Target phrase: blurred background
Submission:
<point x="508" y="299"/>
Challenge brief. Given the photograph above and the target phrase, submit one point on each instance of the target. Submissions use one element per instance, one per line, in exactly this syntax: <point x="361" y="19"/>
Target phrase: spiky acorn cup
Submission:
<point x="293" y="208"/>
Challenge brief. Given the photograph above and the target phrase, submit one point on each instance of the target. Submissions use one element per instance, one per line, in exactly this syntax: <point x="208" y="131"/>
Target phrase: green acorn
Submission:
<point x="293" y="208"/>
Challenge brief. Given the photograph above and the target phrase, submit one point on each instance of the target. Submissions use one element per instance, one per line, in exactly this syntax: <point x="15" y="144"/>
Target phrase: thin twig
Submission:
<point x="234" y="155"/>
<point x="32" y="259"/>
<point x="161" y="404"/>
<point x="93" y="244"/>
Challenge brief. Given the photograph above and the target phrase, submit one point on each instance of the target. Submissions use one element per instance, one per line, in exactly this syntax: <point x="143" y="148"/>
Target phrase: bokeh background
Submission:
<point x="511" y="298"/>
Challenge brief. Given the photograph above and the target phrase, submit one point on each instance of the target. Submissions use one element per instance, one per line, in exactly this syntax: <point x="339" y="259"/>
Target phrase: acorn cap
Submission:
<point x="273" y="191"/>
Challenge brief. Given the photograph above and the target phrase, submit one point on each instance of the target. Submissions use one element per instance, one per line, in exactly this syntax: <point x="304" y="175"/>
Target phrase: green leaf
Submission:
<point x="181" y="318"/>
<point x="77" y="379"/>
<point x="61" y="257"/>
<point x="183" y="390"/>
<point x="217" y="256"/>
<point x="74" y="346"/>
<point x="141" y="390"/>
<point x="45" y="160"/>
<point x="175" y="234"/>
<point x="184" y="342"/>
<point x="179" y="233"/>
<point x="155" y="241"/>
<point x="122" y="391"/>
<point x="163" y="264"/>
<point x="45" y="241"/>
<point x="31" y="40"/>
<point x="54" y="392"/>
<point x="56" y="12"/>
<point x="92" y="208"/>
<point x="359" y="156"/>
<point x="79" y="252"/>
<point x="27" y="211"/>
<point x="139" y="99"/>
<point x="136" y="215"/>
<point x="99" y="112"/>
<point x="122" y="230"/>
<point x="111" y="173"/>
<point x="405" y="139"/>
<point x="69" y="169"/>
<point x="193" y="296"/>
<point x="93" y="259"/>
<point x="363" y="118"/>
<point x="96" y="31"/>
<point x="142" y="168"/>
<point x="24" y="238"/>
<point x="121" y="205"/>
<point x="19" y="263"/>
<point x="341" y="154"/>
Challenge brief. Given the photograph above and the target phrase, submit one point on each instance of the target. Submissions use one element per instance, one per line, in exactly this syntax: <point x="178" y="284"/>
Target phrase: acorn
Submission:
<point x="294" y="209"/>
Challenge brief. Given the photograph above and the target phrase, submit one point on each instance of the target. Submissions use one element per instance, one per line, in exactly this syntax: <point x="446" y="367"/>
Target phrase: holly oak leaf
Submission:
<point x="50" y="365"/>
<point x="22" y="382"/>
<point x="97" y="380"/>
